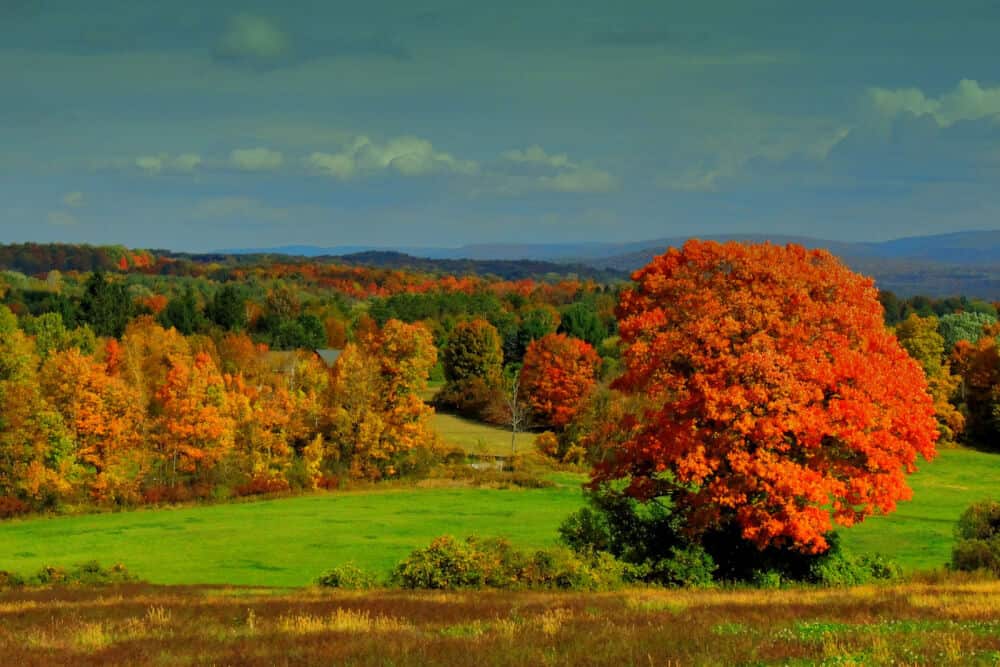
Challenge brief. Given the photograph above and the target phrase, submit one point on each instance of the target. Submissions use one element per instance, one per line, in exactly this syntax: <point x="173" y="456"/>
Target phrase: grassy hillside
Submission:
<point x="919" y="533"/>
<point x="289" y="542"/>
<point x="477" y="438"/>
<point x="285" y="542"/>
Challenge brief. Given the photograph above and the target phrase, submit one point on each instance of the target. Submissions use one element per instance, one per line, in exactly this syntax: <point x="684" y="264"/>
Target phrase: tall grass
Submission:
<point x="953" y="621"/>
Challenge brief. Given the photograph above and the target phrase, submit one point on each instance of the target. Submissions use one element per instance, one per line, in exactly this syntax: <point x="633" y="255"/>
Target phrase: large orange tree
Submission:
<point x="773" y="398"/>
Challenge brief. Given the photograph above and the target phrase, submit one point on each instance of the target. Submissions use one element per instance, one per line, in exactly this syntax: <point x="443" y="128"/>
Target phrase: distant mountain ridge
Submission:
<point x="934" y="265"/>
<point x="956" y="247"/>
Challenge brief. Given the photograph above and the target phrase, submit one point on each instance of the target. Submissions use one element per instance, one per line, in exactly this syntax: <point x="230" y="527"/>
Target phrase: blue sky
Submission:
<point x="193" y="125"/>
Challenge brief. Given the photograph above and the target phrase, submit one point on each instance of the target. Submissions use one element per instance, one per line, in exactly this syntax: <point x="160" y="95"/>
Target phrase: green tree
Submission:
<point x="963" y="326"/>
<point x="228" y="309"/>
<point x="182" y="313"/>
<point x="106" y="306"/>
<point x="49" y="332"/>
<point x="473" y="351"/>
<point x="579" y="320"/>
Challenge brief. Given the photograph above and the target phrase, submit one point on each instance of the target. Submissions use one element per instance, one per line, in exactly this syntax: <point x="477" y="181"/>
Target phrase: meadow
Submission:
<point x="289" y="541"/>
<point x="954" y="621"/>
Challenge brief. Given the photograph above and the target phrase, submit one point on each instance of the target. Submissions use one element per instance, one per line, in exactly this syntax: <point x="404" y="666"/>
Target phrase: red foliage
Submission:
<point x="774" y="395"/>
<point x="262" y="485"/>
<point x="11" y="507"/>
<point x="559" y="373"/>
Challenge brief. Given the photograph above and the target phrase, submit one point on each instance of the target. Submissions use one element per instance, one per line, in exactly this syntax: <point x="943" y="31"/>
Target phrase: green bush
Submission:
<point x="347" y="576"/>
<point x="690" y="565"/>
<point x="977" y="545"/>
<point x="839" y="568"/>
<point x="10" y="580"/>
<point x="563" y="569"/>
<point x="88" y="574"/>
<point x="448" y="563"/>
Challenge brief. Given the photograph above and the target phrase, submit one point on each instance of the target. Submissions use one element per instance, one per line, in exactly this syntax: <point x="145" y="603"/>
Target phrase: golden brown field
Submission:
<point x="956" y="621"/>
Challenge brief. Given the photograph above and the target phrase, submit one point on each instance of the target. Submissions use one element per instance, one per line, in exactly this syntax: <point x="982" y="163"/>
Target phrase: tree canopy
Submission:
<point x="772" y="395"/>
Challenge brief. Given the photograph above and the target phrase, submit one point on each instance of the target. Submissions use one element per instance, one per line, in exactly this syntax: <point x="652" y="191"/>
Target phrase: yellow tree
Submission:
<point x="35" y="453"/>
<point x="103" y="415"/>
<point x="919" y="336"/>
<point x="377" y="416"/>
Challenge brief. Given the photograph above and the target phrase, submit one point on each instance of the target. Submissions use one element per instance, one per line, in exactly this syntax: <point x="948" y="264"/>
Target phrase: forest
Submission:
<point x="146" y="378"/>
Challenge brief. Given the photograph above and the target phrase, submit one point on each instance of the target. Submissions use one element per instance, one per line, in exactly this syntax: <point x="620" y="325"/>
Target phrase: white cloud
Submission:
<point x="62" y="218"/>
<point x="579" y="180"/>
<point x="563" y="174"/>
<point x="256" y="159"/>
<point x="73" y="199"/>
<point x="409" y="156"/>
<point x="253" y="37"/>
<point x="968" y="101"/>
<point x="154" y="164"/>
<point x="537" y="155"/>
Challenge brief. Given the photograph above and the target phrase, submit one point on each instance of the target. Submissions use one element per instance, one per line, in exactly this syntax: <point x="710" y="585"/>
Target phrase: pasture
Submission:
<point x="290" y="541"/>
<point x="477" y="438"/>
<point x="919" y="534"/>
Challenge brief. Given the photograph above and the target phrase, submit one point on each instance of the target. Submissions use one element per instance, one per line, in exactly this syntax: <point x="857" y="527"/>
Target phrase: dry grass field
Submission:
<point x="955" y="621"/>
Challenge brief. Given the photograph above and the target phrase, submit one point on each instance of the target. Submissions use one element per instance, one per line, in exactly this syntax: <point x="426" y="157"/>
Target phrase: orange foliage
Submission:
<point x="773" y="394"/>
<point x="101" y="411"/>
<point x="196" y="427"/>
<point x="559" y="373"/>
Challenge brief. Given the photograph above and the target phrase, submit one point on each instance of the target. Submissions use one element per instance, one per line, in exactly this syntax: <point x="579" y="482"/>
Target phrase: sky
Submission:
<point x="194" y="125"/>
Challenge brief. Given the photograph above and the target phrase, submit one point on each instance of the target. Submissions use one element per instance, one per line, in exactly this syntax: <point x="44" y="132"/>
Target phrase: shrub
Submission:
<point x="328" y="482"/>
<point x="689" y="565"/>
<point x="839" y="568"/>
<point x="90" y="573"/>
<point x="11" y="507"/>
<point x="10" y="580"/>
<point x="474" y="563"/>
<point x="564" y="569"/>
<point x="347" y="576"/>
<point x="262" y="485"/>
<point x="649" y="539"/>
<point x="977" y="534"/>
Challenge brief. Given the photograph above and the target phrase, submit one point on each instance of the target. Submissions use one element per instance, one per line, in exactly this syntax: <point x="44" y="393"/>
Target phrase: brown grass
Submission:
<point x="951" y="621"/>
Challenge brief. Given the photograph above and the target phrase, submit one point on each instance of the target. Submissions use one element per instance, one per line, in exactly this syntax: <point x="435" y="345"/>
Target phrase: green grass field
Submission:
<point x="477" y="438"/>
<point x="286" y="542"/>
<point x="919" y="534"/>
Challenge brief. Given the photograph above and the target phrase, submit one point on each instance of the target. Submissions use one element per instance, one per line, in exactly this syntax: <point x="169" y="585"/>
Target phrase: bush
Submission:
<point x="263" y="485"/>
<point x="450" y="564"/>
<point x="89" y="574"/>
<point x="11" y="507"/>
<point x="563" y="569"/>
<point x="839" y="568"/>
<point x="10" y="580"/>
<point x="977" y="534"/>
<point x="649" y="538"/>
<point x="347" y="576"/>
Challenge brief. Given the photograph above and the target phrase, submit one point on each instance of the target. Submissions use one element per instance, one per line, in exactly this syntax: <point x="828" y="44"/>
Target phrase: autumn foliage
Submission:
<point x="558" y="375"/>
<point x="773" y="398"/>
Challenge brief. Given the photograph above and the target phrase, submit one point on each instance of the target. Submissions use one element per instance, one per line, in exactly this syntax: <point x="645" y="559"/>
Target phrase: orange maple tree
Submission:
<point x="559" y="373"/>
<point x="197" y="428"/>
<point x="773" y="398"/>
